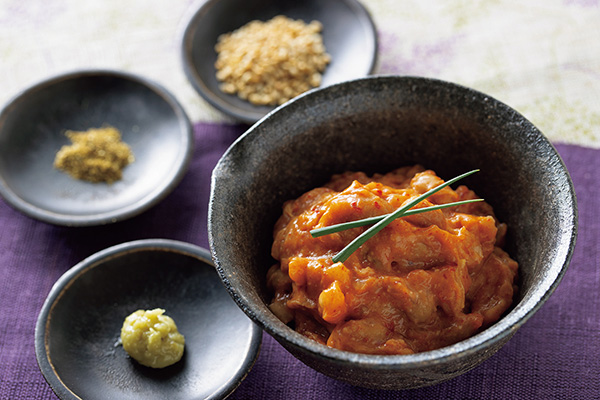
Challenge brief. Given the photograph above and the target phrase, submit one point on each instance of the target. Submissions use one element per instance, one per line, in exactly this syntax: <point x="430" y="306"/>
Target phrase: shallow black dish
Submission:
<point x="349" y="36"/>
<point x="378" y="124"/>
<point x="80" y="322"/>
<point x="32" y="130"/>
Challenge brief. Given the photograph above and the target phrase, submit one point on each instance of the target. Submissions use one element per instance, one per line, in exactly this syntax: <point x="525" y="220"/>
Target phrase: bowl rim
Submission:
<point x="61" y="389"/>
<point x="499" y="332"/>
<point x="199" y="84"/>
<point x="139" y="205"/>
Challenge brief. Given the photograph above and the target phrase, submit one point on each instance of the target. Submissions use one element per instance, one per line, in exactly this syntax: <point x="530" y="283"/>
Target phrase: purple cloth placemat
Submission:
<point x="555" y="355"/>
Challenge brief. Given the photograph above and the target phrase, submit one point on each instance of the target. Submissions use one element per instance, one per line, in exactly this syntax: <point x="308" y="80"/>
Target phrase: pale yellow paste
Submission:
<point x="152" y="338"/>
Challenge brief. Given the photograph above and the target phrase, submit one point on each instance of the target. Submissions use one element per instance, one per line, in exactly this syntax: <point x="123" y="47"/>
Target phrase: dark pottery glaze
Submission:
<point x="32" y="131"/>
<point x="349" y="36"/>
<point x="378" y="124"/>
<point x="77" y="332"/>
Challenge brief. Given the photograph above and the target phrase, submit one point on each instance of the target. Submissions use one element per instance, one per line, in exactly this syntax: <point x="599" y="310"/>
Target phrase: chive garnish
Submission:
<point x="326" y="230"/>
<point x="372" y="231"/>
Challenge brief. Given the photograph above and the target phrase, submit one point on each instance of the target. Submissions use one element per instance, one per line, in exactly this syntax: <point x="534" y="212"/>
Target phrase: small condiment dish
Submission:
<point x="32" y="131"/>
<point x="375" y="125"/>
<point x="349" y="36"/>
<point x="78" y="329"/>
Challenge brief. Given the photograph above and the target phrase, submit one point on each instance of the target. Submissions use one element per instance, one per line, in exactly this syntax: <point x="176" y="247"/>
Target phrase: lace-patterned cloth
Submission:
<point x="541" y="57"/>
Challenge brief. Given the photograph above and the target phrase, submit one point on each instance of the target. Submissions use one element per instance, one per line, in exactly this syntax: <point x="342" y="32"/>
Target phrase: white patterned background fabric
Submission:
<point x="541" y="57"/>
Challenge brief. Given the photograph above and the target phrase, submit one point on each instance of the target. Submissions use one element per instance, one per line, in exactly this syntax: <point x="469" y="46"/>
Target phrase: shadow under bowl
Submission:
<point x="349" y="36"/>
<point x="378" y="124"/>
<point x="32" y="131"/>
<point x="77" y="332"/>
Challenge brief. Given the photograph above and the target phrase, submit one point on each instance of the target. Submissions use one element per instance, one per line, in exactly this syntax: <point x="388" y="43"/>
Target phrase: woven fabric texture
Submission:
<point x="555" y="355"/>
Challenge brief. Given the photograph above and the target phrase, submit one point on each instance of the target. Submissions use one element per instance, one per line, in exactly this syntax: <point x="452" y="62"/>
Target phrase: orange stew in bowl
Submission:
<point x="423" y="282"/>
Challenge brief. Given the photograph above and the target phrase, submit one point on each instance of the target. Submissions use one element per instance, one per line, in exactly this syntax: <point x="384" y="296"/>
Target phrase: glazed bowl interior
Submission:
<point x="378" y="124"/>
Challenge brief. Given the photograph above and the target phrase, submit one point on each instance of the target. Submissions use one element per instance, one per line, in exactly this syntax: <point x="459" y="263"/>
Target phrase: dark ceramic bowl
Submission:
<point x="376" y="125"/>
<point x="80" y="323"/>
<point x="32" y="130"/>
<point x="348" y="33"/>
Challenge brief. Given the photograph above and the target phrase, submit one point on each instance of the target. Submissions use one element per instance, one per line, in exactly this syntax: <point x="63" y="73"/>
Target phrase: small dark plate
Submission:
<point x="77" y="332"/>
<point x="32" y="130"/>
<point x="349" y="36"/>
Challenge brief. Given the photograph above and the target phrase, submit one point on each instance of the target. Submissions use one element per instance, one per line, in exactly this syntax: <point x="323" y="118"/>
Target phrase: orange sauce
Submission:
<point x="423" y="282"/>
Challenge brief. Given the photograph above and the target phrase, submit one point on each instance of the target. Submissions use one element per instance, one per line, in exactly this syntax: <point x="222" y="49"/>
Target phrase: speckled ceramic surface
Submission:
<point x="349" y="36"/>
<point x="375" y="125"/>
<point x="77" y="332"/>
<point x="32" y="131"/>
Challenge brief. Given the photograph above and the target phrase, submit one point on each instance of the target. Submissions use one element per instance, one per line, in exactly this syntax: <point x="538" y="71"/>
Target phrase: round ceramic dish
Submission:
<point x="379" y="124"/>
<point x="32" y="130"/>
<point x="77" y="332"/>
<point x="348" y="33"/>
